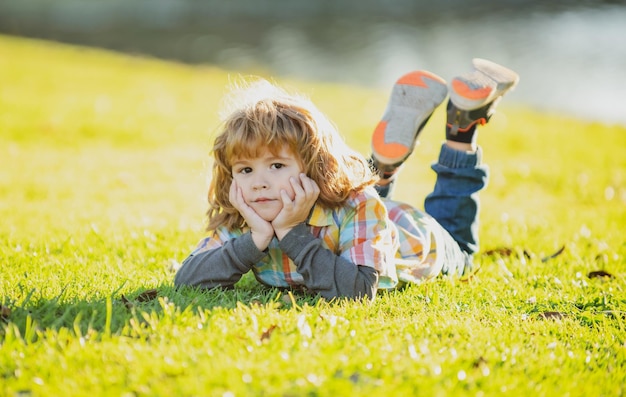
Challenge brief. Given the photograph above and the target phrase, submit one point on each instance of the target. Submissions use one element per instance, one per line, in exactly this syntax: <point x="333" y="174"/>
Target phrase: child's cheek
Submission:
<point x="246" y="198"/>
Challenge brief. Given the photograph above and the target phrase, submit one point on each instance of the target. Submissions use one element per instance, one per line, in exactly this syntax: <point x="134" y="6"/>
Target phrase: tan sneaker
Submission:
<point x="475" y="95"/>
<point x="413" y="100"/>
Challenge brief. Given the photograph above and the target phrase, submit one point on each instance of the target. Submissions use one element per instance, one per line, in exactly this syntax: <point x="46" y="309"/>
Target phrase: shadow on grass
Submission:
<point x="111" y="315"/>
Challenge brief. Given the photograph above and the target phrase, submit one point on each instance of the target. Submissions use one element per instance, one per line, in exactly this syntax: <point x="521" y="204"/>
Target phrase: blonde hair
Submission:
<point x="265" y="117"/>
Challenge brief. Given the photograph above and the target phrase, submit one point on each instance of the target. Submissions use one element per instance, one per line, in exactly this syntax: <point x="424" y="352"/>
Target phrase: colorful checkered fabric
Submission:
<point x="386" y="235"/>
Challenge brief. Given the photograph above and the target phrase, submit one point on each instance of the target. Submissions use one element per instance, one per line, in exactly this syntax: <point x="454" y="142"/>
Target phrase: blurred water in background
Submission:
<point x="571" y="55"/>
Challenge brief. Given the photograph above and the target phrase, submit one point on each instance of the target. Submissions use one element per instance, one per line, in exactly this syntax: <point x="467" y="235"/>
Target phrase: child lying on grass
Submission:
<point x="290" y="201"/>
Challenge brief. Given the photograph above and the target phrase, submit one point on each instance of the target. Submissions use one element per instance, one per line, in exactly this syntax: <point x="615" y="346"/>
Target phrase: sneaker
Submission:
<point x="475" y="95"/>
<point x="413" y="100"/>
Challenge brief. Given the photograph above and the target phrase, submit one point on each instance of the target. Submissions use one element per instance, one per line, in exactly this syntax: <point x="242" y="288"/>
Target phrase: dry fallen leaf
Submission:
<point x="267" y="333"/>
<point x="145" y="296"/>
<point x="557" y="253"/>
<point x="148" y="295"/>
<point x="5" y="312"/>
<point x="599" y="273"/>
<point x="553" y="315"/>
<point x="127" y="303"/>
<point x="481" y="365"/>
<point x="480" y="361"/>
<point x="506" y="252"/>
<point x="502" y="251"/>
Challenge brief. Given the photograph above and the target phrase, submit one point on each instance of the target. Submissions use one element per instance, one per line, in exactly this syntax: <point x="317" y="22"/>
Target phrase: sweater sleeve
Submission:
<point x="219" y="267"/>
<point x="324" y="272"/>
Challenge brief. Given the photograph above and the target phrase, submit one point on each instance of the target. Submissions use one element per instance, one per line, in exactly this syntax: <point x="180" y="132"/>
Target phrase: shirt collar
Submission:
<point x="320" y="216"/>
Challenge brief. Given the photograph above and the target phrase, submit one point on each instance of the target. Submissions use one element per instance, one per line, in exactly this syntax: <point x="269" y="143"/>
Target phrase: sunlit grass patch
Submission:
<point x="103" y="166"/>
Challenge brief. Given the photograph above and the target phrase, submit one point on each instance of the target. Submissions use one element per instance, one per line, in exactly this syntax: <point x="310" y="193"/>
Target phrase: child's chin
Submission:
<point x="269" y="217"/>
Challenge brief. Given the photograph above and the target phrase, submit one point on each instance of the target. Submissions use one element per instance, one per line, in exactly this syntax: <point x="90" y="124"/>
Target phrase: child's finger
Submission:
<point x="297" y="187"/>
<point x="287" y="201"/>
<point x="235" y="195"/>
<point x="309" y="184"/>
<point x="311" y="189"/>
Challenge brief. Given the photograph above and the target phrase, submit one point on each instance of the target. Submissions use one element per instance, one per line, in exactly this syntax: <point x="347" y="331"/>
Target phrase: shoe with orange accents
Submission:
<point x="413" y="100"/>
<point x="475" y="95"/>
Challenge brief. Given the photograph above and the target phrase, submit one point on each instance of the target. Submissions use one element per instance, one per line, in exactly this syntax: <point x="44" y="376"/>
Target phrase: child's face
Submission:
<point x="262" y="178"/>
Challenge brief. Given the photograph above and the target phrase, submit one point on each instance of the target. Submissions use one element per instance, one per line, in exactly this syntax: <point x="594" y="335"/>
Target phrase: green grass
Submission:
<point x="103" y="167"/>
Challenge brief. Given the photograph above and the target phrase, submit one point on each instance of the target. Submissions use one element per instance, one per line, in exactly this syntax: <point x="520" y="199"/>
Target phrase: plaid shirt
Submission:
<point x="419" y="235"/>
<point x="387" y="236"/>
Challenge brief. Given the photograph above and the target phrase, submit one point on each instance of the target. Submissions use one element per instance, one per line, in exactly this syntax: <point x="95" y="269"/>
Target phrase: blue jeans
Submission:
<point x="454" y="201"/>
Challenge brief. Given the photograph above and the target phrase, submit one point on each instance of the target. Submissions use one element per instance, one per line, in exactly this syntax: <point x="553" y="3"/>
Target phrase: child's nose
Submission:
<point x="260" y="183"/>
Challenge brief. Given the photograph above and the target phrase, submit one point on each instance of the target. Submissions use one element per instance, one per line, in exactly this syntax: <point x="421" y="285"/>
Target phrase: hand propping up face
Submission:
<point x="296" y="211"/>
<point x="293" y="211"/>
<point x="261" y="230"/>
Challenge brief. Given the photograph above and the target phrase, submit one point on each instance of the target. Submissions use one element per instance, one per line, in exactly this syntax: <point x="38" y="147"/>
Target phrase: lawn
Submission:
<point x="103" y="175"/>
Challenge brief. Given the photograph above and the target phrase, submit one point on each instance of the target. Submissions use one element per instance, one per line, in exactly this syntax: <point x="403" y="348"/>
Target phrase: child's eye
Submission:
<point x="244" y="170"/>
<point x="278" y="165"/>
